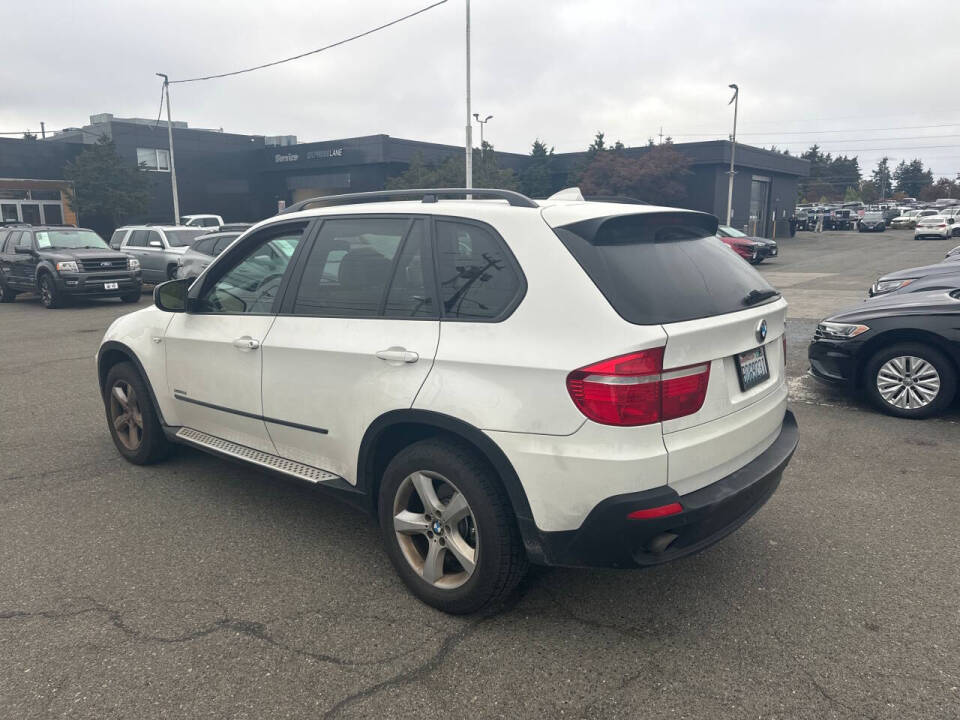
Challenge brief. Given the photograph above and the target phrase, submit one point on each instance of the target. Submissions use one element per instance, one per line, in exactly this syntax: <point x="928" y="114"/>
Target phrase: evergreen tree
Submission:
<point x="911" y="178"/>
<point x="105" y="190"/>
<point x="536" y="180"/>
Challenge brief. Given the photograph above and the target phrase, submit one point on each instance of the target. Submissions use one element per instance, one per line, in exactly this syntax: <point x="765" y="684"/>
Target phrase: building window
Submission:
<point x="154" y="159"/>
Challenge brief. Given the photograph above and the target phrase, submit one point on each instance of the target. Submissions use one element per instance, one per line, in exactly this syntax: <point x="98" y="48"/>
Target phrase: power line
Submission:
<point x="313" y="52"/>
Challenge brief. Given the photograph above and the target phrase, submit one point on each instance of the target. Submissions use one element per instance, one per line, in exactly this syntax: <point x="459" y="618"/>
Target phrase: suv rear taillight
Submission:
<point x="634" y="389"/>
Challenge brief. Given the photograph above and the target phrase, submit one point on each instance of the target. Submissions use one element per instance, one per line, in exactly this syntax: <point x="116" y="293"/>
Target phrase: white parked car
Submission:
<point x="207" y="221"/>
<point x="562" y="382"/>
<point x="936" y="227"/>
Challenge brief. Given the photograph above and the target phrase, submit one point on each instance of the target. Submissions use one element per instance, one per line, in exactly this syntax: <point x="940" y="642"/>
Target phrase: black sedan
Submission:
<point x="872" y="222"/>
<point x="944" y="275"/>
<point x="903" y="351"/>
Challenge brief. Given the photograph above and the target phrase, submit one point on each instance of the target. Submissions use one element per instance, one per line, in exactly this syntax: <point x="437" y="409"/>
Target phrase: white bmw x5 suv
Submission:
<point x="497" y="380"/>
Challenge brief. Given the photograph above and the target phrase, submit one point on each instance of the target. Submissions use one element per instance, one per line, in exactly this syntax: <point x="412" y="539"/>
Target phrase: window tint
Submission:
<point x="183" y="238"/>
<point x="204" y="246"/>
<point x="25" y="240"/>
<point x="209" y="222"/>
<point x="662" y="267"/>
<point x="477" y="280"/>
<point x="251" y="283"/>
<point x="153" y="236"/>
<point x="117" y="238"/>
<point x="351" y="264"/>
<point x="12" y="241"/>
<point x="138" y="238"/>
<point x="222" y="243"/>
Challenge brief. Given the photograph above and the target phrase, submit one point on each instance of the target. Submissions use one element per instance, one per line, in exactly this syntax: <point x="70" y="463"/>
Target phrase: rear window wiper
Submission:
<point x="755" y="296"/>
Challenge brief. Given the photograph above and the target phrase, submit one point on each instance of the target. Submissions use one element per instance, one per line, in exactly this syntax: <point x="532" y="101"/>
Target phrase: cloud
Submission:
<point x="555" y="69"/>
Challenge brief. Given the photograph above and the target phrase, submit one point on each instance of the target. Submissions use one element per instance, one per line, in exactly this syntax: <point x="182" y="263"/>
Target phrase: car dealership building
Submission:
<point x="247" y="177"/>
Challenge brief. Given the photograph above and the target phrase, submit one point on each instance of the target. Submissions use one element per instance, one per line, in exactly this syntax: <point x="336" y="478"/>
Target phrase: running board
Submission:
<point x="257" y="457"/>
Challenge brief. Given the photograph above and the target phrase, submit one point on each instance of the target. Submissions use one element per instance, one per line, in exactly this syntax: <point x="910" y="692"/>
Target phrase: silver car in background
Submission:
<point x="157" y="247"/>
<point x="203" y="251"/>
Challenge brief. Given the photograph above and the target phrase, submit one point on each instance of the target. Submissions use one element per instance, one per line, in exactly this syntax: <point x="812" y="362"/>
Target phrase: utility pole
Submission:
<point x="733" y="149"/>
<point x="482" y="123"/>
<point x="661" y="135"/>
<point x="43" y="130"/>
<point x="469" y="143"/>
<point x="173" y="167"/>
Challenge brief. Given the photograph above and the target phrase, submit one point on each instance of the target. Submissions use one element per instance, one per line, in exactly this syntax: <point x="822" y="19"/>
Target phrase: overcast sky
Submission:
<point x="882" y="74"/>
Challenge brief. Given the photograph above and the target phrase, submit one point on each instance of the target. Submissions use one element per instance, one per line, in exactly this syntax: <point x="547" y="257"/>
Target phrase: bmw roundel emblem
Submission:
<point x="762" y="331"/>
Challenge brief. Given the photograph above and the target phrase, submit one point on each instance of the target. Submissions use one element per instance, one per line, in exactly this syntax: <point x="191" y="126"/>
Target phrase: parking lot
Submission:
<point x="200" y="588"/>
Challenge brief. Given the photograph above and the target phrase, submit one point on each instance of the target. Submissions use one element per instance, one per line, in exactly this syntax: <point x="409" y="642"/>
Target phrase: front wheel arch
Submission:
<point x="111" y="353"/>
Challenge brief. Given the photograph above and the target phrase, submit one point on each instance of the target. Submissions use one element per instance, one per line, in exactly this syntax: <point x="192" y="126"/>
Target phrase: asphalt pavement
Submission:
<point x="202" y="589"/>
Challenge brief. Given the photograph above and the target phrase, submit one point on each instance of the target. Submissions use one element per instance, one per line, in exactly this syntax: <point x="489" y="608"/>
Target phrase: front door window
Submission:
<point x="252" y="283"/>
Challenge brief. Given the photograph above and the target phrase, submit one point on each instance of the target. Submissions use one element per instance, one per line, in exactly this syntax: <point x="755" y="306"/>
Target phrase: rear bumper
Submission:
<point x="608" y="538"/>
<point x="92" y="284"/>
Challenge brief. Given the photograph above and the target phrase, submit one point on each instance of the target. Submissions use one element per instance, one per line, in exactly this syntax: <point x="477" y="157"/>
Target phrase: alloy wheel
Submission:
<point x="46" y="292"/>
<point x="125" y="414"/>
<point x="435" y="529"/>
<point x="908" y="382"/>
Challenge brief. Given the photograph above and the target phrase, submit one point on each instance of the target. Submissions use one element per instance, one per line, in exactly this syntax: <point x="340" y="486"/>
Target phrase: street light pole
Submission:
<point x="482" y="123"/>
<point x="469" y="143"/>
<point x="733" y="149"/>
<point x="173" y="167"/>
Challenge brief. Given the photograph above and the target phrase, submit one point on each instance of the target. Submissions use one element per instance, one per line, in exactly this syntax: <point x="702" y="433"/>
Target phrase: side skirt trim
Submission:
<point x="257" y="457"/>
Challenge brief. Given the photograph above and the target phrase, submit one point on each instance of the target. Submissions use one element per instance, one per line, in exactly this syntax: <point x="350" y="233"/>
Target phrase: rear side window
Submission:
<point x="478" y="278"/>
<point x="138" y="238"/>
<point x="659" y="268"/>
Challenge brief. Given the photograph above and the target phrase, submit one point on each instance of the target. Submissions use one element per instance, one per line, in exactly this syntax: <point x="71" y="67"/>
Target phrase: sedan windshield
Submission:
<point x="873" y="216"/>
<point x="183" y="238"/>
<point x="70" y="239"/>
<point x="727" y="231"/>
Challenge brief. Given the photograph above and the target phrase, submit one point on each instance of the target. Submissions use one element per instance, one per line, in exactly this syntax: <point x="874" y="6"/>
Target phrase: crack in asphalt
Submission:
<point x="248" y="628"/>
<point x="816" y="683"/>
<point x="447" y="646"/>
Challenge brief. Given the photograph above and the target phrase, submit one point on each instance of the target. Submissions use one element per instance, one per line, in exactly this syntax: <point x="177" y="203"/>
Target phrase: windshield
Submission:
<point x="873" y="216"/>
<point x="727" y="231"/>
<point x="183" y="238"/>
<point x="70" y="239"/>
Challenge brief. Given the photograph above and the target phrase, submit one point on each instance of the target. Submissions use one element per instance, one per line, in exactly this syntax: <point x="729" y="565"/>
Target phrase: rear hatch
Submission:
<point x="720" y="317"/>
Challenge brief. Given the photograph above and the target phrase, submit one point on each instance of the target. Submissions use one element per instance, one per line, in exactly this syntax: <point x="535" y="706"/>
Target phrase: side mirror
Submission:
<point x="23" y="250"/>
<point x="171" y="296"/>
<point x="156" y="243"/>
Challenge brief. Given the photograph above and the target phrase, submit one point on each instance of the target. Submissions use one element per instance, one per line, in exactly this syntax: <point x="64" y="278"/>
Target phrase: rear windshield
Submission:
<point x="660" y="268"/>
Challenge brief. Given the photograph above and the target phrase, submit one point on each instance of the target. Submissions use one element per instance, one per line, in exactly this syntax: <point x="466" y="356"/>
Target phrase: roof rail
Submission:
<point x="427" y="195"/>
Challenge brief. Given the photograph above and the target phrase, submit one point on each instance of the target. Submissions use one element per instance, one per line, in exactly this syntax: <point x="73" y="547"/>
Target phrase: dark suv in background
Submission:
<point x="62" y="262"/>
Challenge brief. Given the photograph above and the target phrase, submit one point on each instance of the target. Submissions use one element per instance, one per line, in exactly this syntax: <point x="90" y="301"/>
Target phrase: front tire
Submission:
<point x="131" y="297"/>
<point x="449" y="528"/>
<point x="49" y="295"/>
<point x="6" y="294"/>
<point x="131" y="417"/>
<point x="910" y="380"/>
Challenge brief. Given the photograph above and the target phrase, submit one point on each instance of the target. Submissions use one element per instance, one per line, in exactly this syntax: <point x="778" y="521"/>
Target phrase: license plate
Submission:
<point x="110" y="286"/>
<point x="752" y="368"/>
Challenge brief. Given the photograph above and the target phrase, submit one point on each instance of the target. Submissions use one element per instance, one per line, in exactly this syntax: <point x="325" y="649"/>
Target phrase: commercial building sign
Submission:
<point x="311" y="155"/>
<point x="328" y="153"/>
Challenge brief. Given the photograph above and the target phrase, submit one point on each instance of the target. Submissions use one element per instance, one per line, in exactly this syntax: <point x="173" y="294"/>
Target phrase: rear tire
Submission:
<point x="458" y="482"/>
<point x="910" y="380"/>
<point x="131" y="417"/>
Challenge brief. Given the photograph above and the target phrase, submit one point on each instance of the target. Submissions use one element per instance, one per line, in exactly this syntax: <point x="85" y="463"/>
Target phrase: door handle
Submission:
<point x="246" y="343"/>
<point x="398" y="355"/>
